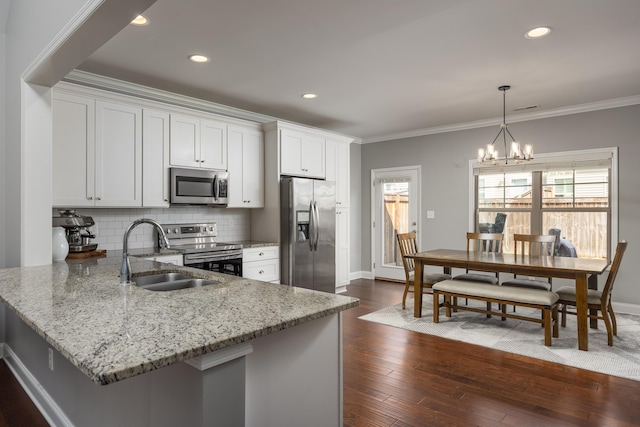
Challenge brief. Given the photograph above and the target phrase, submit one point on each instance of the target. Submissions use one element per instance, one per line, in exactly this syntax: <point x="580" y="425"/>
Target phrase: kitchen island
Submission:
<point x="93" y="352"/>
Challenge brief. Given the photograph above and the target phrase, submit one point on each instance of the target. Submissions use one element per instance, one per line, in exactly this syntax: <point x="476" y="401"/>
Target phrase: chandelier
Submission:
<point x="490" y="154"/>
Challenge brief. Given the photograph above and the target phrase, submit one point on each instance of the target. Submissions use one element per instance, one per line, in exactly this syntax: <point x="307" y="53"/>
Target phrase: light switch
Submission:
<point x="431" y="214"/>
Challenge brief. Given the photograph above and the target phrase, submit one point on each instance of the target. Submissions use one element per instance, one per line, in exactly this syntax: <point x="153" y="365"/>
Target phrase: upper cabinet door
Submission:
<point x="253" y="169"/>
<point x="155" y="158"/>
<point x="213" y="145"/>
<point x="118" y="155"/>
<point x="73" y="150"/>
<point x="338" y="165"/>
<point x="302" y="154"/>
<point x="185" y="141"/>
<point x="198" y="143"/>
<point x="246" y="168"/>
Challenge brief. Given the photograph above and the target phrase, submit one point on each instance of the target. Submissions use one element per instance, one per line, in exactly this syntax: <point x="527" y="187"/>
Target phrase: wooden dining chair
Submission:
<point x="482" y="242"/>
<point x="596" y="300"/>
<point x="409" y="246"/>
<point x="532" y="245"/>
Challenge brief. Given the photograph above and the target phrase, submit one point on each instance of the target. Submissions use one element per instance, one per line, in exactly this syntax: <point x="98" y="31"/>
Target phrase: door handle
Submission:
<point x="317" y="226"/>
<point x="312" y="224"/>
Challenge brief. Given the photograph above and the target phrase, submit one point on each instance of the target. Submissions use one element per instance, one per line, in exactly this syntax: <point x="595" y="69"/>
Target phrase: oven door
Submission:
<point x="226" y="262"/>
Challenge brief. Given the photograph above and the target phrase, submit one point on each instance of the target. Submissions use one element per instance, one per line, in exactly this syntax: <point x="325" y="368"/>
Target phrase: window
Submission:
<point x="570" y="192"/>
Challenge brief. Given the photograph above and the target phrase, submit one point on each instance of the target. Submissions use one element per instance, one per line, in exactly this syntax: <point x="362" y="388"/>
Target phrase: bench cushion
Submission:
<point x="528" y="283"/>
<point x="483" y="278"/>
<point x="505" y="293"/>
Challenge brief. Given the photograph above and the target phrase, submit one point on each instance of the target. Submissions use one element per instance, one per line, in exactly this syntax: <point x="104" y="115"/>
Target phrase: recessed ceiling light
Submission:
<point x="198" y="58"/>
<point x="140" y="20"/>
<point x="309" y="95"/>
<point x="536" y="33"/>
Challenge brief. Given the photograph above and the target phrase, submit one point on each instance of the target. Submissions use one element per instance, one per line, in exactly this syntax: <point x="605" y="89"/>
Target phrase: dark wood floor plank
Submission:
<point x="16" y="409"/>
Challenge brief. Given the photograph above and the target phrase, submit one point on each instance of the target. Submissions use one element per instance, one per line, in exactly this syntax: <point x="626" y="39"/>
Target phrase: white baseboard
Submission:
<point x="623" y="307"/>
<point x="38" y="395"/>
<point x="360" y="275"/>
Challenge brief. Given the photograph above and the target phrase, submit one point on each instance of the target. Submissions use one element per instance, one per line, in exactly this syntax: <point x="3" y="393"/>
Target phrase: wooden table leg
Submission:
<point x="581" y="307"/>
<point x="417" y="289"/>
<point x="593" y="284"/>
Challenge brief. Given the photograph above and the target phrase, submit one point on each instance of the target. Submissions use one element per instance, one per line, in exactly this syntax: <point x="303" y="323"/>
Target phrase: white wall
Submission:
<point x="445" y="176"/>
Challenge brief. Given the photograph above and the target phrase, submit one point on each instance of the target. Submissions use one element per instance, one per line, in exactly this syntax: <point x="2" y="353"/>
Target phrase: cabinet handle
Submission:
<point x="90" y="198"/>
<point x="98" y="198"/>
<point x="261" y="272"/>
<point x="166" y="200"/>
<point x="261" y="254"/>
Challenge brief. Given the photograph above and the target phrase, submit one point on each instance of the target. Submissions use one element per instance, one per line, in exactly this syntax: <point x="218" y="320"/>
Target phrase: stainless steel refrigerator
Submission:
<point x="307" y="233"/>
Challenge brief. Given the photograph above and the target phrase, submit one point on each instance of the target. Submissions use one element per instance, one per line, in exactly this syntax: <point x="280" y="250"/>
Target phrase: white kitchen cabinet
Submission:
<point x="246" y="167"/>
<point x="302" y="154"/>
<point x="169" y="259"/>
<point x="73" y="149"/>
<point x="155" y="158"/>
<point x="97" y="152"/>
<point x="198" y="143"/>
<point x="338" y="169"/>
<point x="261" y="263"/>
<point x="343" y="249"/>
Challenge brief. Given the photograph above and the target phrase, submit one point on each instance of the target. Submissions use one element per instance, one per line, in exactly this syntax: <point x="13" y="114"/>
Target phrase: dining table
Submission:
<point x="584" y="271"/>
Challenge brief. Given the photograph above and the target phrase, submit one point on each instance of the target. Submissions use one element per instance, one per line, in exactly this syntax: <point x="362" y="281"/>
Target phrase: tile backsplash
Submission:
<point x="233" y="224"/>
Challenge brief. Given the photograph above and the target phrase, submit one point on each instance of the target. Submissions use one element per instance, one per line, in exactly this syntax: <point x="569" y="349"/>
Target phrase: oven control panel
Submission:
<point x="190" y="230"/>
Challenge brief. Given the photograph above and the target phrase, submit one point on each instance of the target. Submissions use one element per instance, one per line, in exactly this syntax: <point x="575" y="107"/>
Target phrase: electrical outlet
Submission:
<point x="431" y="214"/>
<point x="51" y="359"/>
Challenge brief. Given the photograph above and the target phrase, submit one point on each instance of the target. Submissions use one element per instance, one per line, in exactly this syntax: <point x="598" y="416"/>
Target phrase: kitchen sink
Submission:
<point x="170" y="282"/>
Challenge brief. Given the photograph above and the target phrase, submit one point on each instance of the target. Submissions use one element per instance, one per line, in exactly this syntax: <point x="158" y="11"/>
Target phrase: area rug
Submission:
<point x="527" y="338"/>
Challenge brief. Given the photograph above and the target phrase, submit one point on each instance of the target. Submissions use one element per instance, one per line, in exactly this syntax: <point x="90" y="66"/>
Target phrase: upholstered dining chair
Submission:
<point x="532" y="245"/>
<point x="482" y="242"/>
<point x="597" y="300"/>
<point x="409" y="246"/>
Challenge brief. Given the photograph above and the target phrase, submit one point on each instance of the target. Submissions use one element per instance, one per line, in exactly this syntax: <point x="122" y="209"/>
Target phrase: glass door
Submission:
<point x="395" y="210"/>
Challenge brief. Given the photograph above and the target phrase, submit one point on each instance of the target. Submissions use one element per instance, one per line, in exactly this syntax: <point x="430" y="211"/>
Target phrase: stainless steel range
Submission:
<point x="200" y="248"/>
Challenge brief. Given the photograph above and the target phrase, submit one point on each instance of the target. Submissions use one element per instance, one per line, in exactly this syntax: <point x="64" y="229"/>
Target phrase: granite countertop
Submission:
<point x="112" y="332"/>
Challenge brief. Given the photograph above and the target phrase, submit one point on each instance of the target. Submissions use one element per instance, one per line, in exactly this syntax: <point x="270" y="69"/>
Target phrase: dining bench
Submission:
<point x="452" y="290"/>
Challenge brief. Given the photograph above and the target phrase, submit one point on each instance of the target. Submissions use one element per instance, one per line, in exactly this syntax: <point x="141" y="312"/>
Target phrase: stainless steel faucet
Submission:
<point x="125" y="269"/>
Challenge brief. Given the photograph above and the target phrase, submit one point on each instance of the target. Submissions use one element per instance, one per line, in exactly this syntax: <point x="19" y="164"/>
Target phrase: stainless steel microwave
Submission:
<point x="199" y="187"/>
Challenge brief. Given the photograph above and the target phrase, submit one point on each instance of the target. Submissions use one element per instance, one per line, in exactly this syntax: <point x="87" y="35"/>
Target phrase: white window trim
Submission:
<point x="560" y="157"/>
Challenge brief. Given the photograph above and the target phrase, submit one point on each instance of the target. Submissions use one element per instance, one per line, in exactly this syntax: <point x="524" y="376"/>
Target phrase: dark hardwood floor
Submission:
<point x="399" y="378"/>
<point x="394" y="377"/>
<point x="16" y="409"/>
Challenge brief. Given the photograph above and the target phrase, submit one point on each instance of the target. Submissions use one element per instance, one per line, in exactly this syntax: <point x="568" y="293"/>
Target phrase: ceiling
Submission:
<point x="383" y="68"/>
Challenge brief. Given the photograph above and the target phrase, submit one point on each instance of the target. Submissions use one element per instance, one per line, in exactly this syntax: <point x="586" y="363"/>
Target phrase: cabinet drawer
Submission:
<point x="261" y="253"/>
<point x="265" y="270"/>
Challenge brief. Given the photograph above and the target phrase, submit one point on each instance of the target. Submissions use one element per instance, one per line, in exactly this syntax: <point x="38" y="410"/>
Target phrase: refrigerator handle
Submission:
<point x="312" y="226"/>
<point x="316" y="226"/>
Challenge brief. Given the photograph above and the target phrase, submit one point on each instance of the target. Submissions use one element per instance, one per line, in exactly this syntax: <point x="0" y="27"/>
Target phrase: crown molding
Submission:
<point x="110" y="84"/>
<point x="557" y="112"/>
<point x="132" y="89"/>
